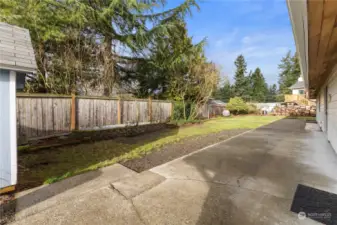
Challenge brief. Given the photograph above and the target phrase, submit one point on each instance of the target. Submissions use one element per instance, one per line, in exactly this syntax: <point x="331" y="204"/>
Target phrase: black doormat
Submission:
<point x="315" y="204"/>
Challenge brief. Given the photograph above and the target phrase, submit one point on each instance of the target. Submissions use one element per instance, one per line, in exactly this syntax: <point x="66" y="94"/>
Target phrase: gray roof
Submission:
<point x="298" y="85"/>
<point x="16" y="51"/>
<point x="216" y="102"/>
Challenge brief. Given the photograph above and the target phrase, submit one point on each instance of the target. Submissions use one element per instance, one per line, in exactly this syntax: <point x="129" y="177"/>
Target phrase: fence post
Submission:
<point x="119" y="112"/>
<point x="150" y="109"/>
<point x="138" y="111"/>
<point x="73" y="112"/>
<point x="172" y="110"/>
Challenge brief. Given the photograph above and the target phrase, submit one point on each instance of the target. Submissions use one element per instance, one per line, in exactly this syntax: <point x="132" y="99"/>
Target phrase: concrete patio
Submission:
<point x="249" y="179"/>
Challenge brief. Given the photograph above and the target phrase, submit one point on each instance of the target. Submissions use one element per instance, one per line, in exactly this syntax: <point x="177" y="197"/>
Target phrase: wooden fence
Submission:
<point x="300" y="99"/>
<point x="40" y="116"/>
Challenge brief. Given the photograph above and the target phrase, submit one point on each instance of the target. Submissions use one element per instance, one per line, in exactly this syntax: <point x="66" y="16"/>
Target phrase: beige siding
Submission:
<point x="320" y="109"/>
<point x="332" y="110"/>
<point x="329" y="127"/>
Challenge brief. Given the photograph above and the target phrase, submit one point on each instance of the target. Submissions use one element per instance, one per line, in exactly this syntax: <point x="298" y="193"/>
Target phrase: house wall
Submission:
<point x="295" y="92"/>
<point x="298" y="92"/>
<point x="328" y="121"/>
<point x="320" y="115"/>
<point x="8" y="159"/>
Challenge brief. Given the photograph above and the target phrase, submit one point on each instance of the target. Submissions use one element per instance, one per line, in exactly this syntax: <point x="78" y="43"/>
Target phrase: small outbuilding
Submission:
<point x="298" y="88"/>
<point x="16" y="57"/>
<point x="212" y="108"/>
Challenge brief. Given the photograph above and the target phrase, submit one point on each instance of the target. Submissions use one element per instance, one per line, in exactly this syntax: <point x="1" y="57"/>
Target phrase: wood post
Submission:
<point x="138" y="112"/>
<point x="119" y="112"/>
<point x="7" y="189"/>
<point x="73" y="112"/>
<point x="172" y="110"/>
<point x="150" y="109"/>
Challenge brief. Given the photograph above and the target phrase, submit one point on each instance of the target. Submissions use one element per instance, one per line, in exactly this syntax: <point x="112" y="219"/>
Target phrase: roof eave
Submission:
<point x="298" y="17"/>
<point x="17" y="68"/>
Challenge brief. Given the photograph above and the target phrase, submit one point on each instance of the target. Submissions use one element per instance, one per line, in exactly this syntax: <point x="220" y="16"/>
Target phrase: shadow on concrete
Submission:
<point x="35" y="167"/>
<point x="42" y="193"/>
<point x="249" y="181"/>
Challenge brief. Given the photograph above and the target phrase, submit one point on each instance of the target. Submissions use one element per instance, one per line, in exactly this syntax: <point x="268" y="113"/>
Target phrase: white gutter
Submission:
<point x="299" y="21"/>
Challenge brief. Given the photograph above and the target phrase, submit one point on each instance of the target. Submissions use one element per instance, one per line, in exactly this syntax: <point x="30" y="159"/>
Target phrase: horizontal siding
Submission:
<point x="320" y="111"/>
<point x="332" y="110"/>
<point x="329" y="127"/>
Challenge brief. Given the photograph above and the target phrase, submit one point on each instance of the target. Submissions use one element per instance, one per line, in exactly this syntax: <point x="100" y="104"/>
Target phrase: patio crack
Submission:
<point x="112" y="187"/>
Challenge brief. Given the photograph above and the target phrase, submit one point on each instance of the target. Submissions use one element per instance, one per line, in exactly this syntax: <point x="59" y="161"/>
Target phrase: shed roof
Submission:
<point x="16" y="51"/>
<point x="216" y="102"/>
<point x="298" y="85"/>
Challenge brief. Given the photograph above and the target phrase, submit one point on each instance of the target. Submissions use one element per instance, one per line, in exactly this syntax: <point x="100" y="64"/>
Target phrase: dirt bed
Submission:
<point x="176" y="150"/>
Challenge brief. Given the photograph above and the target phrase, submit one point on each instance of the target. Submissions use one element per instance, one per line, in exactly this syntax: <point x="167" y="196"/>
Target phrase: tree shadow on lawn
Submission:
<point x="56" y="164"/>
<point x="53" y="164"/>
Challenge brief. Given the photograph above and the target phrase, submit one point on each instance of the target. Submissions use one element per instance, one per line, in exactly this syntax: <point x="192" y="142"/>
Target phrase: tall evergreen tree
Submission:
<point x="289" y="72"/>
<point x="224" y="92"/>
<point x="272" y="93"/>
<point x="240" y="85"/>
<point x="169" y="57"/>
<point x="113" y="26"/>
<point x="248" y="87"/>
<point x="259" y="86"/>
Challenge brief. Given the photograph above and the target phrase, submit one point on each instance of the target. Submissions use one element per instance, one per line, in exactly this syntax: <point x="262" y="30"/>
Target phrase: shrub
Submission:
<point x="252" y="109"/>
<point x="178" y="110"/>
<point x="237" y="106"/>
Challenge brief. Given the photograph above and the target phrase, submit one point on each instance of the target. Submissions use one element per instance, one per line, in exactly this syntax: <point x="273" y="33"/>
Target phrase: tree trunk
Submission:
<point x="184" y="107"/>
<point x="42" y="66"/>
<point x="108" y="63"/>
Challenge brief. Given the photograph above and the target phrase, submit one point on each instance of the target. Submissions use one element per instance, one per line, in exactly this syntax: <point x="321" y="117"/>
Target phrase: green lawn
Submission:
<point x="50" y="165"/>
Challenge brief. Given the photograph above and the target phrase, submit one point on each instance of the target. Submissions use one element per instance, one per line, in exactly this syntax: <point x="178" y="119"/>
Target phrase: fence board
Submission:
<point x="161" y="111"/>
<point x="96" y="113"/>
<point x="39" y="116"/>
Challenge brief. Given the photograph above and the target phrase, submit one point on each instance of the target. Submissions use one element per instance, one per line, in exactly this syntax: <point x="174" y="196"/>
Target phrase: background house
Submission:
<point x="298" y="88"/>
<point x="16" y="57"/>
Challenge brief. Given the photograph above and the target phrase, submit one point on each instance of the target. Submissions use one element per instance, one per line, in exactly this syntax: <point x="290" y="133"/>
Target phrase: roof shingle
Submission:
<point x="298" y="85"/>
<point x="16" y="51"/>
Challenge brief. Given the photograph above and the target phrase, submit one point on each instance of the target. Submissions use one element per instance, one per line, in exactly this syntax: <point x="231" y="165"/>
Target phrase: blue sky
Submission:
<point x="258" y="29"/>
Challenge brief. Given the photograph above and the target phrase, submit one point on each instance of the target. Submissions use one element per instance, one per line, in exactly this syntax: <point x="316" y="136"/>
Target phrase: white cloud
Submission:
<point x="262" y="49"/>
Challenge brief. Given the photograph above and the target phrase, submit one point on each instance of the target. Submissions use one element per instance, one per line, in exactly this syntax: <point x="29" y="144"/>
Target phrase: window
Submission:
<point x="20" y="81"/>
<point x="301" y="92"/>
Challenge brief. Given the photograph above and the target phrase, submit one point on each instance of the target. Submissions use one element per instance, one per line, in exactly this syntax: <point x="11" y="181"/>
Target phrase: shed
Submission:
<point x="212" y="108"/>
<point x="16" y="56"/>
